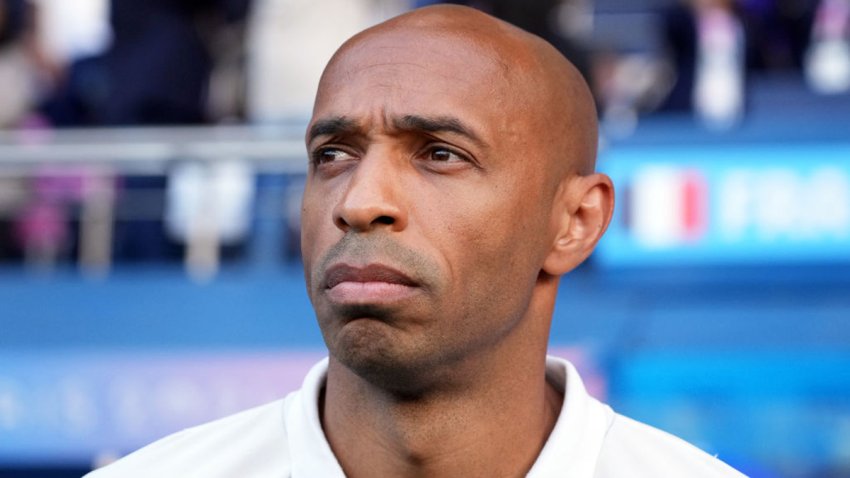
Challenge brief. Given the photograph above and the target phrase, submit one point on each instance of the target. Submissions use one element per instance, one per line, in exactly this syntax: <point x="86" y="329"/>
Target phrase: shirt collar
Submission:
<point x="576" y="440"/>
<point x="310" y="451"/>
<point x="571" y="449"/>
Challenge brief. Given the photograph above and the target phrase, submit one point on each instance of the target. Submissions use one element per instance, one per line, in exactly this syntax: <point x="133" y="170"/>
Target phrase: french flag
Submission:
<point x="667" y="206"/>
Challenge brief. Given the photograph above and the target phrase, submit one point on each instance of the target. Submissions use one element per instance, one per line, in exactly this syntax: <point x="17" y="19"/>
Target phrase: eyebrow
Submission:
<point x="342" y="125"/>
<point x="332" y="126"/>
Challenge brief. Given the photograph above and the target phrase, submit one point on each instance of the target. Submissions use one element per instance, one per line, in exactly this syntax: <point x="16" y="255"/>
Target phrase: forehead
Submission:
<point x="417" y="72"/>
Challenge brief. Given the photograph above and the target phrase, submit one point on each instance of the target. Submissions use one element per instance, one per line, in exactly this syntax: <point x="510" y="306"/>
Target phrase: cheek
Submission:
<point x="506" y="217"/>
<point x="316" y="219"/>
<point x="308" y="222"/>
<point x="485" y="235"/>
<point x="491" y="280"/>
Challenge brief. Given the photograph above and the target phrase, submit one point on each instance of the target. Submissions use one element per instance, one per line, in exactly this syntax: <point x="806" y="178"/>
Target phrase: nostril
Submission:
<point x="340" y="223"/>
<point x="387" y="220"/>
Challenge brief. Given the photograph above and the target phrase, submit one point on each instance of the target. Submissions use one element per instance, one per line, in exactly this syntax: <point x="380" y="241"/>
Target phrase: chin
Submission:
<point x="373" y="352"/>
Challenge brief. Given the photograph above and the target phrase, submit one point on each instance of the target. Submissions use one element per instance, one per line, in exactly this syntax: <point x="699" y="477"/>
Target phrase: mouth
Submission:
<point x="371" y="284"/>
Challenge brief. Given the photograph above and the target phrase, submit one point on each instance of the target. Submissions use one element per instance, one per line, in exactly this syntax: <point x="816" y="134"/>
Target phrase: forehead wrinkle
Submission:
<point x="371" y="66"/>
<point x="438" y="124"/>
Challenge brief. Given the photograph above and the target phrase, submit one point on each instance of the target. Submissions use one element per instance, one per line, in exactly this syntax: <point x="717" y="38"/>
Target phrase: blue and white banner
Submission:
<point x="731" y="204"/>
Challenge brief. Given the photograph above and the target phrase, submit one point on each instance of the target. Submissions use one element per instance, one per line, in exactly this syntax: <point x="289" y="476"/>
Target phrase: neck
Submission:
<point x="494" y="424"/>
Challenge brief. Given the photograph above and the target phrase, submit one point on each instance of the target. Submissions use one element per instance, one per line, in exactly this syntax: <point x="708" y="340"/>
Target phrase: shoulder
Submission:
<point x="635" y="449"/>
<point x="249" y="443"/>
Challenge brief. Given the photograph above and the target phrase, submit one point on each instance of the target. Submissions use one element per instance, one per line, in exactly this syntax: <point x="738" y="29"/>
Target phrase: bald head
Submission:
<point x="540" y="94"/>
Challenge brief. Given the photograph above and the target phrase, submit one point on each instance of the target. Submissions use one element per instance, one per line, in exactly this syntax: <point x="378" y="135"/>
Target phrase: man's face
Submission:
<point x="426" y="210"/>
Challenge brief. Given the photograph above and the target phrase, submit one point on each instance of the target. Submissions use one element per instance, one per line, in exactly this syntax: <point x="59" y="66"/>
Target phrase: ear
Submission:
<point x="581" y="213"/>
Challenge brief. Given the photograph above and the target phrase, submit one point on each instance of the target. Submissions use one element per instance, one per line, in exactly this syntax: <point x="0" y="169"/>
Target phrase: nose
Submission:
<point x="372" y="198"/>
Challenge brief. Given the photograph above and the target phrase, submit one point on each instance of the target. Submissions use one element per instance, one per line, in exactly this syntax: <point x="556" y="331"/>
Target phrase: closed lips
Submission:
<point x="372" y="273"/>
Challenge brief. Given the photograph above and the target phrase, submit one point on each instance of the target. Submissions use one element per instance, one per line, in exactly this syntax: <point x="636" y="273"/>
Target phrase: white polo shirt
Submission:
<point x="285" y="439"/>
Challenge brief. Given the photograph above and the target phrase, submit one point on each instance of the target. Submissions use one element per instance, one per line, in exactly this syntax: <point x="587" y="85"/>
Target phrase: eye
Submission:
<point x="445" y="155"/>
<point x="328" y="155"/>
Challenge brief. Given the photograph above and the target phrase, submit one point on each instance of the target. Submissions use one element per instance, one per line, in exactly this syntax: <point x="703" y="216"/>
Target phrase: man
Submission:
<point x="451" y="184"/>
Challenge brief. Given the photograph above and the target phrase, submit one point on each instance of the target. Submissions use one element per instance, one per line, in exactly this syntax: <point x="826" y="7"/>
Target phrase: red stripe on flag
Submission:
<point x="694" y="206"/>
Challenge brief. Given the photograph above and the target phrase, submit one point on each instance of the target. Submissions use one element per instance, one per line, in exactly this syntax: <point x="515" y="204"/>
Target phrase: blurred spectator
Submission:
<point x="18" y="66"/>
<point x="47" y="224"/>
<point x="226" y="38"/>
<point x="159" y="65"/>
<point x="156" y="66"/>
<point x="290" y="41"/>
<point x="68" y="30"/>
<point x="75" y="35"/>
<point x="828" y="56"/>
<point x="707" y="44"/>
<point x="778" y="33"/>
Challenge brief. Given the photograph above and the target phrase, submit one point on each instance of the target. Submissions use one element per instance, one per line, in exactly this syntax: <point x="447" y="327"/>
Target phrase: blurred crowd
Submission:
<point x="101" y="63"/>
<point x="125" y="62"/>
<point x="73" y="63"/>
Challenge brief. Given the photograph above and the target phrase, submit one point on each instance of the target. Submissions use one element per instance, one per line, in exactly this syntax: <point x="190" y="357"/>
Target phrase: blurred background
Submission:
<point x="151" y="166"/>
